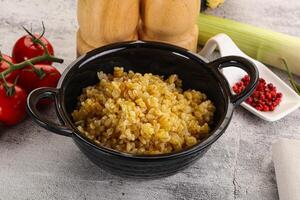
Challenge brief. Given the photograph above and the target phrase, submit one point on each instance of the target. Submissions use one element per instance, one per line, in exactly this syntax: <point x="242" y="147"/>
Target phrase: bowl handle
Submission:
<point x="33" y="99"/>
<point x="242" y="63"/>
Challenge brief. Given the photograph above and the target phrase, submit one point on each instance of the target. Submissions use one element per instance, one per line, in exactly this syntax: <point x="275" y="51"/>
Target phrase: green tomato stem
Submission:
<point x="26" y="63"/>
<point x="38" y="40"/>
<point x="9" y="90"/>
<point x="3" y="59"/>
<point x="39" y="72"/>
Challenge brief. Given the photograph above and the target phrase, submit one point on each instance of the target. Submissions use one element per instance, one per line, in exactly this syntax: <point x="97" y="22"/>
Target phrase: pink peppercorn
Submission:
<point x="265" y="96"/>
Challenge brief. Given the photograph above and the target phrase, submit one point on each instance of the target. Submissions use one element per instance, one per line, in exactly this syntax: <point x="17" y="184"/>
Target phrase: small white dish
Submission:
<point x="290" y="100"/>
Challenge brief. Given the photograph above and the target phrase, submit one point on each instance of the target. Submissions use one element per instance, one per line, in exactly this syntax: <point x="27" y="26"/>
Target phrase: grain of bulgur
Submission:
<point x="142" y="114"/>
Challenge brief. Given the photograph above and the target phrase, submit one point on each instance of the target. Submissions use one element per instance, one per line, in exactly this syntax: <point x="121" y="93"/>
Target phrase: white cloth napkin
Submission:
<point x="286" y="157"/>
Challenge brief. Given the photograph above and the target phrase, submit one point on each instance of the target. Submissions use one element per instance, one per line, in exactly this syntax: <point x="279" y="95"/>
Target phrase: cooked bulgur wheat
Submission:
<point x="142" y="114"/>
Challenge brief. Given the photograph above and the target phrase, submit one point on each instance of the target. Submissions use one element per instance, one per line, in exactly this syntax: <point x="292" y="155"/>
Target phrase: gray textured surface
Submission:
<point x="37" y="164"/>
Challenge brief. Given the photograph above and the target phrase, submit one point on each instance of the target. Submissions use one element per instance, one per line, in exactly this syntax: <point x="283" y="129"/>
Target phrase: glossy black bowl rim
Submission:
<point x="73" y="131"/>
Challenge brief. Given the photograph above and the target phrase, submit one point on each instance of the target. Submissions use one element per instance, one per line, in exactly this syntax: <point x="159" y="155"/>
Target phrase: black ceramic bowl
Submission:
<point x="157" y="58"/>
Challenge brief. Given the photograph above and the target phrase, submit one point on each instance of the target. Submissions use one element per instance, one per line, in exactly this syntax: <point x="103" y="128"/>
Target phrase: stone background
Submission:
<point x="37" y="164"/>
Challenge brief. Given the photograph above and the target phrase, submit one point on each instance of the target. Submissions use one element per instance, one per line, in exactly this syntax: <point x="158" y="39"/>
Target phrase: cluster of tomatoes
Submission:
<point x="23" y="81"/>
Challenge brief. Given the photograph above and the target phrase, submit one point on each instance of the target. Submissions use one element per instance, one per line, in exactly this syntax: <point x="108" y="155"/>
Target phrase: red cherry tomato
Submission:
<point x="4" y="65"/>
<point x="25" y="48"/>
<point x="29" y="80"/>
<point x="12" y="108"/>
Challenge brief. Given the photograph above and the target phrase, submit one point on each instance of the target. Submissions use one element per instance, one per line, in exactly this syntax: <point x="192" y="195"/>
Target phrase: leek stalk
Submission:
<point x="261" y="44"/>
